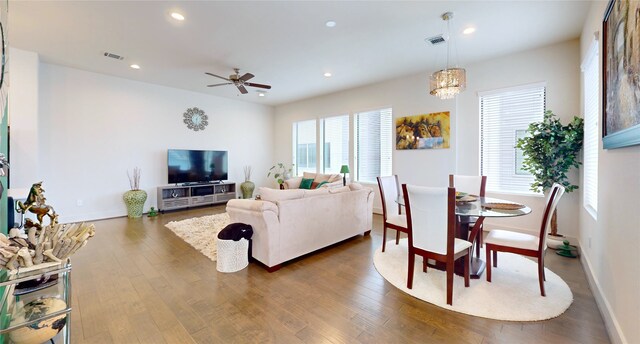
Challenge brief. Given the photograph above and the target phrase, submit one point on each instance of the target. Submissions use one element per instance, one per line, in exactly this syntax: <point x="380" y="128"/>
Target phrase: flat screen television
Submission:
<point x="196" y="166"/>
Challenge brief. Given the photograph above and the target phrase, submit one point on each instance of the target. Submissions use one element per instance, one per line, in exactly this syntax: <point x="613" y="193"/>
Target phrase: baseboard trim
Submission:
<point x="610" y="322"/>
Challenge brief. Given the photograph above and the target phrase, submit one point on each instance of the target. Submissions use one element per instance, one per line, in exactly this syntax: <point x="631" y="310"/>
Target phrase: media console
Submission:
<point x="174" y="197"/>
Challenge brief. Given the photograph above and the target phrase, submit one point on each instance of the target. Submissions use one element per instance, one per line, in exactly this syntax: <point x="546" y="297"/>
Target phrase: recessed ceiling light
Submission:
<point x="261" y="94"/>
<point x="469" y="30"/>
<point x="327" y="75"/>
<point x="135" y="66"/>
<point x="330" y="23"/>
<point x="177" y="16"/>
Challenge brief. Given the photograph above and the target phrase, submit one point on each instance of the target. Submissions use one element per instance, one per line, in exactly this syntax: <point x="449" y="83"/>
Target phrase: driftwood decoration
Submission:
<point x="50" y="244"/>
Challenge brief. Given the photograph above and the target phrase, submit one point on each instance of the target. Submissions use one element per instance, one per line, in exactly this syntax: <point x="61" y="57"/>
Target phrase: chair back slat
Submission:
<point x="389" y="192"/>
<point x="474" y="185"/>
<point x="555" y="193"/>
<point x="429" y="217"/>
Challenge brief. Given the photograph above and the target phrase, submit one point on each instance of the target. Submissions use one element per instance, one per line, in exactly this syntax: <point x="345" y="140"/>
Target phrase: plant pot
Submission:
<point x="134" y="200"/>
<point x="554" y="241"/>
<point x="247" y="189"/>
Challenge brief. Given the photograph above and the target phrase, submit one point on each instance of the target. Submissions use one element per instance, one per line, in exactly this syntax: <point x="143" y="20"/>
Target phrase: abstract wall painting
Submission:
<point x="425" y="131"/>
<point x="621" y="74"/>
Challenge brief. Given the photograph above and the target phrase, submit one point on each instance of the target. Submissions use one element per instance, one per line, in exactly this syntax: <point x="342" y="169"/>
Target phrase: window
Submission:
<point x="504" y="117"/>
<point x="373" y="144"/>
<point x="590" y="85"/>
<point x="335" y="137"/>
<point x="304" y="146"/>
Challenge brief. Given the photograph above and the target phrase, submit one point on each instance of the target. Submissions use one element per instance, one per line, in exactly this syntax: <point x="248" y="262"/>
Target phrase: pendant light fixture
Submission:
<point x="448" y="82"/>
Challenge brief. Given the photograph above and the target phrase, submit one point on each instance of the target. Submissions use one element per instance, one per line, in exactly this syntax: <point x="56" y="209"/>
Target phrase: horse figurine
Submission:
<point x="35" y="204"/>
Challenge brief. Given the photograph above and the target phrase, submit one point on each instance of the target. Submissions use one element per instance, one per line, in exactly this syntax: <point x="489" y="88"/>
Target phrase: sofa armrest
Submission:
<point x="263" y="218"/>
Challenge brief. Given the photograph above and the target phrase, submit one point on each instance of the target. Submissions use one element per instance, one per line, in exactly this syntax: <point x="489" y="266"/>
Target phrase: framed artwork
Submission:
<point x="426" y="131"/>
<point x="621" y="74"/>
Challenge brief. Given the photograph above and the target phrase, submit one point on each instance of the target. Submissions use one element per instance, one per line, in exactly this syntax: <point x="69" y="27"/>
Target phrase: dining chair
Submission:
<point x="431" y="220"/>
<point x="524" y="244"/>
<point x="473" y="185"/>
<point x="391" y="210"/>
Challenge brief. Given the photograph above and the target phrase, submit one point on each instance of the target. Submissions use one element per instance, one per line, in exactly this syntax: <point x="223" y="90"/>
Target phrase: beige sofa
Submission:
<point x="290" y="223"/>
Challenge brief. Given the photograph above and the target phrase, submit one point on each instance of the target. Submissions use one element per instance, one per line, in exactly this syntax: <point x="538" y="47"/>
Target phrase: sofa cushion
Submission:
<point x="316" y="192"/>
<point x="292" y="183"/>
<point x="273" y="195"/>
<point x="340" y="189"/>
<point x="306" y="183"/>
<point x="355" y="186"/>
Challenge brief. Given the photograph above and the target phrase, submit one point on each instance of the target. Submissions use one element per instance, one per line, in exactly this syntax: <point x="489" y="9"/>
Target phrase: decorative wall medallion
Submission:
<point x="195" y="119"/>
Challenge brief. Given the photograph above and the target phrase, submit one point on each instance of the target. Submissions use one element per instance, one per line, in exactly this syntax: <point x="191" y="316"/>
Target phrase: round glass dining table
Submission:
<point x="470" y="215"/>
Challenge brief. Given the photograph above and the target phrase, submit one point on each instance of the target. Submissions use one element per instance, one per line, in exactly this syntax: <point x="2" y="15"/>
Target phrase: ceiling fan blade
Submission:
<point x="242" y="89"/>
<point x="257" y="85"/>
<point x="246" y="77"/>
<point x="217" y="76"/>
<point x="224" y="83"/>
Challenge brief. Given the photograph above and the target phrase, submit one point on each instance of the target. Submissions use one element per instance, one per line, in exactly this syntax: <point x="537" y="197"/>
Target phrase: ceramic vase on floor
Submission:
<point x="134" y="199"/>
<point x="247" y="189"/>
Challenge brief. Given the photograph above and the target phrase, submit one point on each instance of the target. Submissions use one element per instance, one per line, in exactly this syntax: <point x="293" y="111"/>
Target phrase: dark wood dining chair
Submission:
<point x="391" y="210"/>
<point x="473" y="185"/>
<point x="524" y="244"/>
<point x="431" y="220"/>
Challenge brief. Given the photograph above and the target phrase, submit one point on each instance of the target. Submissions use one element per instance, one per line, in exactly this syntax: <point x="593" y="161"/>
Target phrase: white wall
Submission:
<point x="23" y="118"/>
<point x="559" y="67"/>
<point x="610" y="244"/>
<point x="93" y="128"/>
<point x="407" y="96"/>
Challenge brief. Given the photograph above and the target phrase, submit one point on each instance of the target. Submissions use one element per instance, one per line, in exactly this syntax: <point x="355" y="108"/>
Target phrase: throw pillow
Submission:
<point x="306" y="183"/>
<point x="318" y="185"/>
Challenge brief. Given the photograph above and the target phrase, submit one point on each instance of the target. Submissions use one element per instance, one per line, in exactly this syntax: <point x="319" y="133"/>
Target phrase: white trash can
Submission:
<point x="232" y="255"/>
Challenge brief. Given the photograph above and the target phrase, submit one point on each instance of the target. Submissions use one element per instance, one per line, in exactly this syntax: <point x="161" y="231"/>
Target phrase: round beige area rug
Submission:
<point x="513" y="294"/>
<point x="201" y="232"/>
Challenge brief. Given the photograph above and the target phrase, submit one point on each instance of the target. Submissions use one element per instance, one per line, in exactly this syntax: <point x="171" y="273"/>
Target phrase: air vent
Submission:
<point x="113" y="56"/>
<point x="435" y="39"/>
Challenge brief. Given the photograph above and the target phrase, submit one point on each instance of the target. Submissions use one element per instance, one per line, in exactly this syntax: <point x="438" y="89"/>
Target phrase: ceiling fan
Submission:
<point x="239" y="81"/>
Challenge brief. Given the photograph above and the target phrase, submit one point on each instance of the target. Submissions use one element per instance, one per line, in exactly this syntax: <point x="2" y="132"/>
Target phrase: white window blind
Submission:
<point x="304" y="146"/>
<point x="591" y="82"/>
<point x="373" y="144"/>
<point x="335" y="143"/>
<point x="504" y="117"/>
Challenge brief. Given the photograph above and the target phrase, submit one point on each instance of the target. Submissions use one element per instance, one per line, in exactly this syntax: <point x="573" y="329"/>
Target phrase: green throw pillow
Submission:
<point x="306" y="183"/>
<point x="319" y="185"/>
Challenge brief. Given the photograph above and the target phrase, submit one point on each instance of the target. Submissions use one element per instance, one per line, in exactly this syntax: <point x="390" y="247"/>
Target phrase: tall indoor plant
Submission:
<point x="550" y="149"/>
<point x="280" y="172"/>
<point x="134" y="199"/>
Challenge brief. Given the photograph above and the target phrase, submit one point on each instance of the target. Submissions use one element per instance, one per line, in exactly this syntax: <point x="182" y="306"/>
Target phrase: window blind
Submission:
<point x="591" y="84"/>
<point x="335" y="143"/>
<point x="373" y="144"/>
<point x="504" y="117"/>
<point x="304" y="146"/>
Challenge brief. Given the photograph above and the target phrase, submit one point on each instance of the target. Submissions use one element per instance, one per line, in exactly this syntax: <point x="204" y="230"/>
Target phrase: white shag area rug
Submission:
<point x="201" y="232"/>
<point x="513" y="294"/>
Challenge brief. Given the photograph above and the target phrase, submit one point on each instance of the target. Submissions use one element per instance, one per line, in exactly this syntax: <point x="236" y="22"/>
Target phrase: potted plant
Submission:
<point x="247" y="186"/>
<point x="134" y="198"/>
<point x="550" y="149"/>
<point x="280" y="173"/>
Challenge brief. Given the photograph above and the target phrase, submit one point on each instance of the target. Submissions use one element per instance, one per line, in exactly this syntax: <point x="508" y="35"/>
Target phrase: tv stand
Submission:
<point x="193" y="195"/>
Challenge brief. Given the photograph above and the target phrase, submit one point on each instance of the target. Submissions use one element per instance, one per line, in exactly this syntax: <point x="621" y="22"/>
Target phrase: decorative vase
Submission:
<point x="134" y="199"/>
<point x="247" y="189"/>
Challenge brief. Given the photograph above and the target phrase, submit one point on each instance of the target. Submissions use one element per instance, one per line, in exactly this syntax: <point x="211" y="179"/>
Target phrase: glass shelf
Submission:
<point x="44" y="310"/>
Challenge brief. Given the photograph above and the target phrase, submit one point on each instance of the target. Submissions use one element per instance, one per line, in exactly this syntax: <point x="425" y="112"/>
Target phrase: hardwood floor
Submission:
<point x="136" y="282"/>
